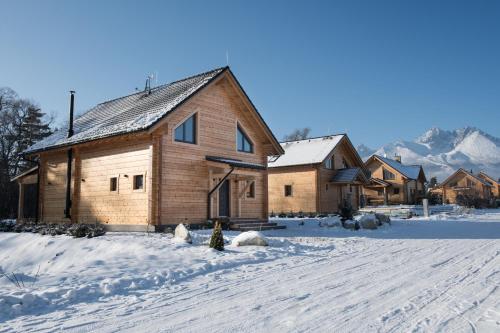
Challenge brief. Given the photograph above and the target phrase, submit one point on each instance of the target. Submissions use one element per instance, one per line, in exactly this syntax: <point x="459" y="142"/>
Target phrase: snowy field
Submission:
<point x="436" y="275"/>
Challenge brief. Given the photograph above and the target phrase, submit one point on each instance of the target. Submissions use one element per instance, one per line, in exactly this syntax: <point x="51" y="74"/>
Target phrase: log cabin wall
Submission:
<point x="125" y="205"/>
<point x="303" y="180"/>
<point x="184" y="169"/>
<point x="91" y="195"/>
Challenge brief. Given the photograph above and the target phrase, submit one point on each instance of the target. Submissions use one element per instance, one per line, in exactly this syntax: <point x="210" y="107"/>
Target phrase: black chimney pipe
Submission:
<point x="67" y="210"/>
<point x="71" y="110"/>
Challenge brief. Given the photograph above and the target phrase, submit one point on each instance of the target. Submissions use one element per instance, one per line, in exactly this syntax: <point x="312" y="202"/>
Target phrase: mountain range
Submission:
<point x="441" y="152"/>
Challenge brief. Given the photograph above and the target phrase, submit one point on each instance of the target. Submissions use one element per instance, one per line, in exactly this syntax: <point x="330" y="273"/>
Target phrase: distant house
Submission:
<point x="463" y="182"/>
<point x="183" y="152"/>
<point x="316" y="175"/>
<point x="393" y="182"/>
<point x="495" y="184"/>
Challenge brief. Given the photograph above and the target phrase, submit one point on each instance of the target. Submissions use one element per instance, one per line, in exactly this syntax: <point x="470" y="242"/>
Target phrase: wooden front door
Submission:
<point x="224" y="199"/>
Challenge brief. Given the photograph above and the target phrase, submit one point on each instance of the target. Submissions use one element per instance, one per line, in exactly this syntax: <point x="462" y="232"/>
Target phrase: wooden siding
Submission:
<point x="185" y="172"/>
<point x="125" y="206"/>
<point x="461" y="179"/>
<point x="304" y="189"/>
<point x="53" y="168"/>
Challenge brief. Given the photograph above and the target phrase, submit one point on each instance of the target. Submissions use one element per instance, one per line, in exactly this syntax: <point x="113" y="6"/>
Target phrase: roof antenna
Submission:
<point x="227" y="57"/>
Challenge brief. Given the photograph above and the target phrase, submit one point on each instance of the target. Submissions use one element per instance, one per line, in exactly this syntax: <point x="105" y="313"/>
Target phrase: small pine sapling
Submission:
<point x="217" y="240"/>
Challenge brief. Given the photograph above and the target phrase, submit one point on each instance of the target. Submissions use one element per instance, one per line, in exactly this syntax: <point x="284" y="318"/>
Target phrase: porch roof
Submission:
<point x="25" y="173"/>
<point x="236" y="163"/>
<point x="349" y="175"/>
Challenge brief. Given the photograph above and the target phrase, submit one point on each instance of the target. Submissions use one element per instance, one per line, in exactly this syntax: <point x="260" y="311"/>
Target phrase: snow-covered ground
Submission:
<point x="440" y="274"/>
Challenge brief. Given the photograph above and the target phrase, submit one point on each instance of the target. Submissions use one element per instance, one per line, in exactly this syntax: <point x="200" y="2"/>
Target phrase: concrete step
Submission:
<point x="258" y="228"/>
<point x="255" y="226"/>
<point x="252" y="224"/>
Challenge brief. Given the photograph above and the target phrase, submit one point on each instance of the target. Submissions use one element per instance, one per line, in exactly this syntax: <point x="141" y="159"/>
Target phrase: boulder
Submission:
<point x="350" y="224"/>
<point x="182" y="233"/>
<point x="383" y="218"/>
<point x="250" y="238"/>
<point x="331" y="221"/>
<point x="367" y="221"/>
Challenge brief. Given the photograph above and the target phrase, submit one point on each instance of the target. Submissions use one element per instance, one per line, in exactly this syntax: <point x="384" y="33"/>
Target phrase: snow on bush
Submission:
<point x="250" y="238"/>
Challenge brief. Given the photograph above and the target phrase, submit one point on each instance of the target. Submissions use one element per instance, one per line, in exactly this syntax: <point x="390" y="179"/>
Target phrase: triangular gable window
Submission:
<point x="243" y="142"/>
<point x="186" y="132"/>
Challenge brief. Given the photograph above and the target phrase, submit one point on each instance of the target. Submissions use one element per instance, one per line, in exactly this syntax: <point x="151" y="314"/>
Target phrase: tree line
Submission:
<point x="22" y="123"/>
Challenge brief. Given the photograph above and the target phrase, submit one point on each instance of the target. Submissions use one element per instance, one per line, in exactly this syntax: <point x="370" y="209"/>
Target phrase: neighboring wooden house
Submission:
<point x="495" y="184"/>
<point x="465" y="183"/>
<point x="184" y="152"/>
<point x="316" y="175"/>
<point x="393" y="183"/>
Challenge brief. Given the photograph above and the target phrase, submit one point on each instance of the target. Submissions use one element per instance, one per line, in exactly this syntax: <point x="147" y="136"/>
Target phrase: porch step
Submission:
<point x="258" y="228"/>
<point x="247" y="224"/>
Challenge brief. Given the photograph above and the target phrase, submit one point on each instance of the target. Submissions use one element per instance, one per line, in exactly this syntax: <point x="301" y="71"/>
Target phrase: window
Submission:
<point x="288" y="190"/>
<point x="380" y="193"/>
<point x="454" y="184"/>
<point x="396" y="191"/>
<point x="138" y="182"/>
<point x="330" y="163"/>
<point x="186" y="132"/>
<point x="243" y="143"/>
<point x="470" y="183"/>
<point x="251" y="190"/>
<point x="344" y="163"/>
<point x="113" y="184"/>
<point x="388" y="175"/>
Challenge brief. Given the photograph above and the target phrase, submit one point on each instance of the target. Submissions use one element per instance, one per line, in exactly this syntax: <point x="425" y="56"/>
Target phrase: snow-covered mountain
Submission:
<point x="441" y="152"/>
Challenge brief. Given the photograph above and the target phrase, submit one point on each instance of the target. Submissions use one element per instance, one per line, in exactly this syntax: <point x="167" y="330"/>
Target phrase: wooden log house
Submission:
<point x="317" y="175"/>
<point x="394" y="183"/>
<point x="185" y="152"/>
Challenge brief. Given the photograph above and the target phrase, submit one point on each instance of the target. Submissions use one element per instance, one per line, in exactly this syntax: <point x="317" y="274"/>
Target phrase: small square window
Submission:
<point x="138" y="182"/>
<point x="251" y="190"/>
<point x="288" y="190"/>
<point x="113" y="184"/>
<point x="396" y="191"/>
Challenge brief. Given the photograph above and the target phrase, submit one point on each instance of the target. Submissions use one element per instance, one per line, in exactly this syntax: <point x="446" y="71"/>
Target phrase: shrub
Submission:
<point x="217" y="239"/>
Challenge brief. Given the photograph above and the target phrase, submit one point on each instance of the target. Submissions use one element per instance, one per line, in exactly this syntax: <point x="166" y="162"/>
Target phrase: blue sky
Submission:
<point x="378" y="70"/>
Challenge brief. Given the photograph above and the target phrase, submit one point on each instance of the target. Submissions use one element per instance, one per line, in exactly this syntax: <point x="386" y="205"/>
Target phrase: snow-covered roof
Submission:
<point x="308" y="151"/>
<point x="128" y="114"/>
<point x="410" y="171"/>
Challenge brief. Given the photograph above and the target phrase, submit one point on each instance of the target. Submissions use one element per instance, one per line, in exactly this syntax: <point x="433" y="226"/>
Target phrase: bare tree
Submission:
<point x="21" y="124"/>
<point x="298" y="134"/>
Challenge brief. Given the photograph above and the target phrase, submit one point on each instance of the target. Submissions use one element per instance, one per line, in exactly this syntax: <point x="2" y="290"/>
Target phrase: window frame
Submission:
<point x="330" y="162"/>
<point x="182" y="125"/>
<point x="285" y="187"/>
<point x="143" y="189"/>
<point x="117" y="177"/>
<point x="396" y="191"/>
<point x="384" y="170"/>
<point x="239" y="129"/>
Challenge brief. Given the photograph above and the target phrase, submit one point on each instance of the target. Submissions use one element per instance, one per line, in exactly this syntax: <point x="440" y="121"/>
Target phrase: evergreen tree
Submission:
<point x="217" y="240"/>
<point x="433" y="182"/>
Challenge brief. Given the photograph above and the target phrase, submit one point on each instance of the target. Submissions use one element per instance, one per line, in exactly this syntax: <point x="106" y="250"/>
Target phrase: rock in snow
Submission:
<point x="368" y="221"/>
<point x="250" y="238"/>
<point x="182" y="233"/>
<point x="332" y="221"/>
